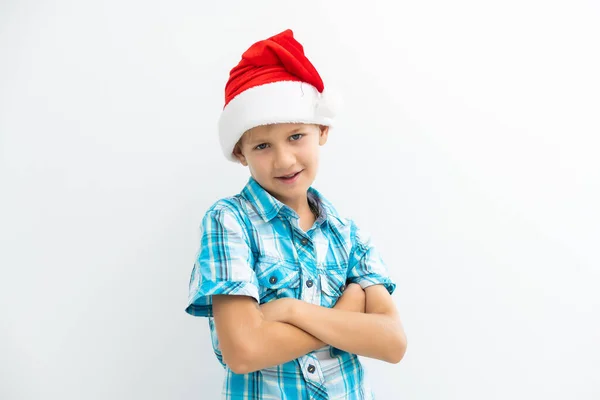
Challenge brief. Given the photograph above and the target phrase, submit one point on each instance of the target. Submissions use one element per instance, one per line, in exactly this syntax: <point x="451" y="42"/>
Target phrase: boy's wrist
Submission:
<point x="281" y="310"/>
<point x="293" y="307"/>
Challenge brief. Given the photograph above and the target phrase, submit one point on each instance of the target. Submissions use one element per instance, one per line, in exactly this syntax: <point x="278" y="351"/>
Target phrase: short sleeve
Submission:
<point x="223" y="262"/>
<point x="366" y="267"/>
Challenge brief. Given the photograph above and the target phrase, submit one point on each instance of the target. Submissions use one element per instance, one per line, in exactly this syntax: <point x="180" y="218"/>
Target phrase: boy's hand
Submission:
<point x="353" y="299"/>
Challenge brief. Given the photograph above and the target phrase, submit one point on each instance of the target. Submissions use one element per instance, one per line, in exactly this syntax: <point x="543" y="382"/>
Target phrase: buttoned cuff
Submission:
<point x="200" y="302"/>
<point x="374" y="279"/>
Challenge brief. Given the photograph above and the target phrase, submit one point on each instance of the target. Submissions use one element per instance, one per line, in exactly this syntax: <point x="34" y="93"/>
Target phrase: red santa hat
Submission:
<point x="273" y="83"/>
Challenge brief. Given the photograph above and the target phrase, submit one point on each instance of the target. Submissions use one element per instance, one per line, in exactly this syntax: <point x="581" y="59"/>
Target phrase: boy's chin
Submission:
<point x="280" y="190"/>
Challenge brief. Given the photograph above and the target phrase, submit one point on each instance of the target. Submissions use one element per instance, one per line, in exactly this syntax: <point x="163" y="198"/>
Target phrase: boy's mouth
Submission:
<point x="289" y="178"/>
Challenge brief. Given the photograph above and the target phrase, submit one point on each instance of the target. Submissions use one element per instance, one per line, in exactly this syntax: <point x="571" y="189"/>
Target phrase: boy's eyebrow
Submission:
<point x="255" y="140"/>
<point x="259" y="139"/>
<point x="296" y="130"/>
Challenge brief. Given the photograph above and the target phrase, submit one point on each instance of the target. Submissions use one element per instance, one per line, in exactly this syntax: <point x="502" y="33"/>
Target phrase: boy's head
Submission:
<point x="283" y="158"/>
<point x="276" y="113"/>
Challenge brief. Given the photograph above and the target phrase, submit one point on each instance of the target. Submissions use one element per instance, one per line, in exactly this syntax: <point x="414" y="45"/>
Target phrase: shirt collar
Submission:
<point x="265" y="205"/>
<point x="268" y="207"/>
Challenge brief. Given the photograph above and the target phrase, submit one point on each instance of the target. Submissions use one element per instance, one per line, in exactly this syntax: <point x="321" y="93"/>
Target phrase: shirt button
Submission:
<point x="311" y="368"/>
<point x="273" y="279"/>
<point x="304" y="241"/>
<point x="309" y="283"/>
<point x="342" y="288"/>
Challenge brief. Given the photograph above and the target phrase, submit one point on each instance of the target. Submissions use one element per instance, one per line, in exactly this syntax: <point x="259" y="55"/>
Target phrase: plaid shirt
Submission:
<point x="251" y="245"/>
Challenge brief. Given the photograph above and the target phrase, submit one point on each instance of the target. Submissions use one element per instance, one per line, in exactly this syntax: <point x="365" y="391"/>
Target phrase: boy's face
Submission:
<point x="283" y="158"/>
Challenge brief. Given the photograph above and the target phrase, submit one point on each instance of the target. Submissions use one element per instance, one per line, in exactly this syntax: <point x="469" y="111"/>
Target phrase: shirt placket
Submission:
<point x="310" y="293"/>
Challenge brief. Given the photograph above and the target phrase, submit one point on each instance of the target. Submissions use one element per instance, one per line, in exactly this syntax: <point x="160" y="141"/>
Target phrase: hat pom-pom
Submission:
<point x="329" y="103"/>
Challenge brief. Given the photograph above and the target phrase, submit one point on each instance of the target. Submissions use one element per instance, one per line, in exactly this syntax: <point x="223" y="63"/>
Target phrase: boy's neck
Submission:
<point x="307" y="216"/>
<point x="300" y="205"/>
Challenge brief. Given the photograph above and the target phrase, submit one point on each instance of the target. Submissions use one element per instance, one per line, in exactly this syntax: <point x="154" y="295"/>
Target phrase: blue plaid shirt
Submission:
<point x="251" y="245"/>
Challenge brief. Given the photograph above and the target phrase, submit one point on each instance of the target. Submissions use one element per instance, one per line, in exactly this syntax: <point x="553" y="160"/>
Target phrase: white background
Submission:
<point x="468" y="147"/>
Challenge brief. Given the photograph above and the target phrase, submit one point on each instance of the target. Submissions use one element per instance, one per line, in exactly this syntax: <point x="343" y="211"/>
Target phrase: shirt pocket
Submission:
<point x="332" y="287"/>
<point x="276" y="279"/>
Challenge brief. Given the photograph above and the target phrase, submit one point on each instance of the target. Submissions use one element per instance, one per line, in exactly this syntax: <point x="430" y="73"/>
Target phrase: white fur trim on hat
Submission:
<point x="272" y="103"/>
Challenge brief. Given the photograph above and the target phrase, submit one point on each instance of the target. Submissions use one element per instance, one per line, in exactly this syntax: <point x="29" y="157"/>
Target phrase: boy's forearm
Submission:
<point x="377" y="336"/>
<point x="275" y="343"/>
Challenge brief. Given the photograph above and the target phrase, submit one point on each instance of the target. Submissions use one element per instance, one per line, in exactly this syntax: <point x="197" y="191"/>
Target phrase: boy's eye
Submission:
<point x="261" y="146"/>
<point x="297" y="136"/>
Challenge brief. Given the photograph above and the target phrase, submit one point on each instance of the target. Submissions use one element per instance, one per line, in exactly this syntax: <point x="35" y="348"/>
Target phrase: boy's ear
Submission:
<point x="323" y="135"/>
<point x="237" y="152"/>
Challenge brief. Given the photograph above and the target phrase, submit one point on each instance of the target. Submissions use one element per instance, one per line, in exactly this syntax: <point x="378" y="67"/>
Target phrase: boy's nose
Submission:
<point x="284" y="160"/>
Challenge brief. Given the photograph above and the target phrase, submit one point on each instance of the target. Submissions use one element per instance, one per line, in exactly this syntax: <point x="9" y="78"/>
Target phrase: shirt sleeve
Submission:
<point x="366" y="267"/>
<point x="223" y="262"/>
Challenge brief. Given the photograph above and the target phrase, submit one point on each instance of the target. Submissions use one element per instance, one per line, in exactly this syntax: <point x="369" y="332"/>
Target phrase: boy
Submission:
<point x="293" y="291"/>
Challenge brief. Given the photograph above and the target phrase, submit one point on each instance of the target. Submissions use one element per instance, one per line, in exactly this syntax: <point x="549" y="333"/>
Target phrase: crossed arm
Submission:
<point x="253" y="337"/>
